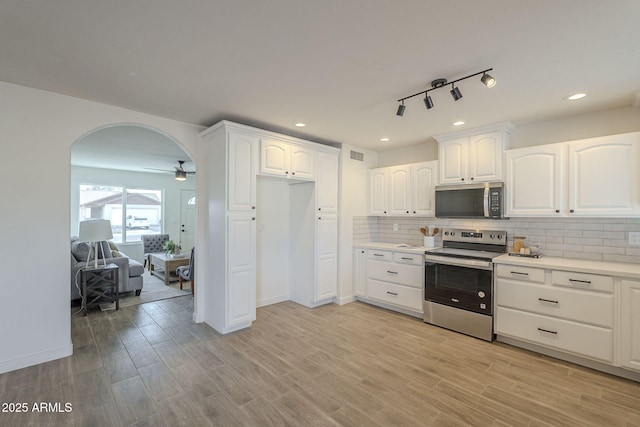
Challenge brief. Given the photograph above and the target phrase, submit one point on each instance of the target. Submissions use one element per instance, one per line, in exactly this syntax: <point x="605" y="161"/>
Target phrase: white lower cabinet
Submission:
<point x="630" y="324"/>
<point x="391" y="279"/>
<point x="241" y="296"/>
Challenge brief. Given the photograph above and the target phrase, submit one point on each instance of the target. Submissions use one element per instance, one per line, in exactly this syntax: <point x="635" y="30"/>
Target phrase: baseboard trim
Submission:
<point x="36" y="358"/>
<point x="273" y="300"/>
<point x="345" y="300"/>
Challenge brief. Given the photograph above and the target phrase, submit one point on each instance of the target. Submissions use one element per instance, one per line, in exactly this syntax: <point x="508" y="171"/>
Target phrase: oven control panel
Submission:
<point x="496" y="237"/>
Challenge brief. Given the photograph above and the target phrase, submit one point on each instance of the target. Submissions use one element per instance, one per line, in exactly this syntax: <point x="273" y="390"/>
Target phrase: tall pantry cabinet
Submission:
<point x="237" y="156"/>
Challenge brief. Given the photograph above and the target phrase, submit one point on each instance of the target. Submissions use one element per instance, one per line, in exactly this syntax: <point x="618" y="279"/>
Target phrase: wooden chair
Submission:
<point x="186" y="272"/>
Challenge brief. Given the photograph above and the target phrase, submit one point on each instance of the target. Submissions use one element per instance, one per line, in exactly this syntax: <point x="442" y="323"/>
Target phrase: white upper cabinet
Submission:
<point x="473" y="155"/>
<point x="378" y="182"/>
<point x="603" y="176"/>
<point x="327" y="182"/>
<point x="285" y="159"/>
<point x="535" y="177"/>
<point x="241" y="184"/>
<point x="592" y="177"/>
<point x="405" y="190"/>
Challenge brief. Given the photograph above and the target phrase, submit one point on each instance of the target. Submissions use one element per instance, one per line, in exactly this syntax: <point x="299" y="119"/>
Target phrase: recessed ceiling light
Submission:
<point x="575" y="96"/>
<point x="384" y="139"/>
<point x="300" y="125"/>
<point x="458" y="123"/>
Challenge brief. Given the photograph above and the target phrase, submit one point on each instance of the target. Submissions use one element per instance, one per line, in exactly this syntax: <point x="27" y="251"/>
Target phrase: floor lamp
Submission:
<point x="95" y="231"/>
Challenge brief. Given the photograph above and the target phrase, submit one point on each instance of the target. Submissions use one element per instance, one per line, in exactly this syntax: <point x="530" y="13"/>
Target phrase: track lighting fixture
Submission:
<point x="455" y="92"/>
<point x="486" y="79"/>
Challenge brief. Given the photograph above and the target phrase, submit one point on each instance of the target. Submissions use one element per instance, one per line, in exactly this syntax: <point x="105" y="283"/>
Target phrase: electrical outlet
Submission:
<point x="634" y="237"/>
<point x="395" y="228"/>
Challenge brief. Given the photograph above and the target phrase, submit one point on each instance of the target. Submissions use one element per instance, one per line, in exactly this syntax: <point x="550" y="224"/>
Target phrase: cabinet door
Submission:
<point x="241" y="184"/>
<point x="630" y="325"/>
<point x="535" y="180"/>
<point x="303" y="162"/>
<point x="378" y="182"/>
<point x="360" y="272"/>
<point x="423" y="180"/>
<point x="327" y="182"/>
<point x="485" y="157"/>
<point x="241" y="285"/>
<point x="400" y="190"/>
<point x="453" y="161"/>
<point x="274" y="157"/>
<point x="327" y="257"/>
<point x="603" y="176"/>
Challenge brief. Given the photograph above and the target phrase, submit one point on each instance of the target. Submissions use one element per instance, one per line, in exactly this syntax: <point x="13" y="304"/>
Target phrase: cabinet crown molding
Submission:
<point x="506" y="127"/>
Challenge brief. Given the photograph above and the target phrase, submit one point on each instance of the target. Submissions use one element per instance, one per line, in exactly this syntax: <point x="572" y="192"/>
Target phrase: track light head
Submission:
<point x="428" y="102"/>
<point x="400" y="111"/>
<point x="487" y="80"/>
<point x="455" y="92"/>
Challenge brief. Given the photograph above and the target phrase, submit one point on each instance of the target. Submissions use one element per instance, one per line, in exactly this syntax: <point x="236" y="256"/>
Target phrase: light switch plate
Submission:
<point x="634" y="237"/>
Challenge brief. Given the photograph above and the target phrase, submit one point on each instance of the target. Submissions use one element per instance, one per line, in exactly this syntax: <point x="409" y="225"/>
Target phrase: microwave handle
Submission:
<point x="486" y="201"/>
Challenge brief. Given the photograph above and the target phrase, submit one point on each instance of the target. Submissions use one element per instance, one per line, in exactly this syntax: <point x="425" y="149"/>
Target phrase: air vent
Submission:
<point x="357" y="156"/>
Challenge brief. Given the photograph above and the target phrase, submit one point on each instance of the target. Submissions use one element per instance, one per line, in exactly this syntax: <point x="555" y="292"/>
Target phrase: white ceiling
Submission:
<point x="337" y="65"/>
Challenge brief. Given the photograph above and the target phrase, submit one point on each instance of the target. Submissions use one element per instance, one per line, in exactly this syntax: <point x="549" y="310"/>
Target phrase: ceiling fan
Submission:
<point x="180" y="173"/>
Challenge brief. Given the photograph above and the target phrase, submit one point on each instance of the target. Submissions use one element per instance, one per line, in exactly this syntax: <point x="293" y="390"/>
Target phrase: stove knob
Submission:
<point x="453" y="233"/>
<point x="492" y="236"/>
<point x="499" y="236"/>
<point x="446" y="233"/>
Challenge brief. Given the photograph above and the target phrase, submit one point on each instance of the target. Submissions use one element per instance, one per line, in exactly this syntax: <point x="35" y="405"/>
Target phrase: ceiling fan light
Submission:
<point x="487" y="80"/>
<point x="181" y="175"/>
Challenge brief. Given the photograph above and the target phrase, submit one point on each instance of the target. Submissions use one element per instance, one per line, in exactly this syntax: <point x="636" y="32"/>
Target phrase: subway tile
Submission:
<point x="582" y="241"/>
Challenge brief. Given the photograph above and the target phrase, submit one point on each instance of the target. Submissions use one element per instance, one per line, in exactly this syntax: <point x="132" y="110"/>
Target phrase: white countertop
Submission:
<point x="618" y="269"/>
<point x="411" y="249"/>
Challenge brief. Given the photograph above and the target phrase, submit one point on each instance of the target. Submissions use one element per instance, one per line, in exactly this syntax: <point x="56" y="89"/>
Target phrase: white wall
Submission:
<point x="38" y="129"/>
<point x="166" y="182"/>
<point x="413" y="154"/>
<point x="354" y="179"/>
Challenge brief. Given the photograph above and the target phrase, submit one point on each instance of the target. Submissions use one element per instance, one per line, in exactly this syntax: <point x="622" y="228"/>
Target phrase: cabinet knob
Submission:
<point x="570" y="210"/>
<point x="407" y="211"/>
<point x="286" y="173"/>
<point x="414" y="211"/>
<point x="293" y="173"/>
<point x="319" y="209"/>
<point x="253" y="218"/>
<point x="385" y="211"/>
<point x="253" y="207"/>
<point x="319" y="217"/>
<point x="471" y="178"/>
<point x="463" y="179"/>
<point x="557" y="210"/>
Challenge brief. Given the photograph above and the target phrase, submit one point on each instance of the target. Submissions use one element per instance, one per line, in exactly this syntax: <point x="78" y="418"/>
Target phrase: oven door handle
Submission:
<point x="458" y="262"/>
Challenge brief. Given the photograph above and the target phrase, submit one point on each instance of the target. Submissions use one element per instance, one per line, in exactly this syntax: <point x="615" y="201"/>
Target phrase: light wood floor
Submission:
<point x="352" y="365"/>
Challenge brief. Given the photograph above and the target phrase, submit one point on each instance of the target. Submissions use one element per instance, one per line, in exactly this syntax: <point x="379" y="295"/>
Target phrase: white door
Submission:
<point x="187" y="219"/>
<point x="241" y="291"/>
<point x="400" y="190"/>
<point x="274" y="157"/>
<point x="241" y="184"/>
<point x="453" y="161"/>
<point x="327" y="257"/>
<point x="327" y="182"/>
<point x="378" y="191"/>
<point x="303" y="162"/>
<point x="630" y="325"/>
<point x="423" y="176"/>
<point x="485" y="157"/>
<point x="535" y="180"/>
<point x="603" y="176"/>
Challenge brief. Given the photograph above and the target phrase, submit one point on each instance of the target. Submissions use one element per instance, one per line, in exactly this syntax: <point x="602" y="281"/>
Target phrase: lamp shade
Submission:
<point x="95" y="230"/>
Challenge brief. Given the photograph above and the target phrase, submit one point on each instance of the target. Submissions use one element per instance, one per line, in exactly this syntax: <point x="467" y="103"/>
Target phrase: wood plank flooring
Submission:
<point x="352" y="365"/>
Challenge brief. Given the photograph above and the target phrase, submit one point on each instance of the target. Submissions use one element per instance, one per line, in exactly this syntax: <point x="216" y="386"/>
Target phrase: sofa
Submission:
<point x="129" y="270"/>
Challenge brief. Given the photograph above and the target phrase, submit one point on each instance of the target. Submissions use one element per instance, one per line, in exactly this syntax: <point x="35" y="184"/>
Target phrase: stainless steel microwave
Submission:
<point x="470" y="200"/>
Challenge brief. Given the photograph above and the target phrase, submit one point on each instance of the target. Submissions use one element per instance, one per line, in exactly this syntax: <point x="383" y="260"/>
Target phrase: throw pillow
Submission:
<point x="112" y="246"/>
<point x="80" y="250"/>
<point x="116" y="254"/>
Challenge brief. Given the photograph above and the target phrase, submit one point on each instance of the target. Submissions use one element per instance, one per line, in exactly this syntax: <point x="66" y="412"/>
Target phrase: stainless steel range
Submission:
<point x="458" y="291"/>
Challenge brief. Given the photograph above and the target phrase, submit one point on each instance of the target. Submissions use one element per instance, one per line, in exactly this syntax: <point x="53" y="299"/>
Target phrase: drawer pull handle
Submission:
<point x="392" y="272"/>
<point x="517" y="272"/>
<point x="548" y="300"/>
<point x="407" y="258"/>
<point x="392" y="293"/>
<point x="378" y="254"/>
<point x="548" y="331"/>
<point x="584" y="282"/>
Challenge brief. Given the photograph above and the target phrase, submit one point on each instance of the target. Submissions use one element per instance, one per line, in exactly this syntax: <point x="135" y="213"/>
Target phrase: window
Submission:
<point x="140" y="212"/>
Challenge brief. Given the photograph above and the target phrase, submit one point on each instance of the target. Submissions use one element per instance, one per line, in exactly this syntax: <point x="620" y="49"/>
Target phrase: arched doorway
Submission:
<point x="126" y="173"/>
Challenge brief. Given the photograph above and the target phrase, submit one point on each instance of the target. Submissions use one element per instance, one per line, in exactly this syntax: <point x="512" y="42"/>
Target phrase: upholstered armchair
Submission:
<point x="152" y="244"/>
<point x="186" y="272"/>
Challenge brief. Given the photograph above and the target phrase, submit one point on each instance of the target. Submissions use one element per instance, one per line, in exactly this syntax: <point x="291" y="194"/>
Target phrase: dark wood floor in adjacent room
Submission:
<point x="351" y="365"/>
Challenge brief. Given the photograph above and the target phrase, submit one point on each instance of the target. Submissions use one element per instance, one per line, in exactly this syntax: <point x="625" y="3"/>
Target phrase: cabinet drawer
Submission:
<point x="415" y="259"/>
<point x="380" y="255"/>
<point x="395" y="294"/>
<point x="577" y="338"/>
<point x="591" y="282"/>
<point x="408" y="275"/>
<point x="586" y="307"/>
<point x="528" y="274"/>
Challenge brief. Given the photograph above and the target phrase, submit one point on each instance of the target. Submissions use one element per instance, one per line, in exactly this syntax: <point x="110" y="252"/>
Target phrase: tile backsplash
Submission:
<point x="602" y="239"/>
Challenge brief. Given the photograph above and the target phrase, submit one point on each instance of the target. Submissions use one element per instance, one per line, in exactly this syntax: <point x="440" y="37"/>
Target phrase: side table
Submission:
<point x="99" y="285"/>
